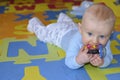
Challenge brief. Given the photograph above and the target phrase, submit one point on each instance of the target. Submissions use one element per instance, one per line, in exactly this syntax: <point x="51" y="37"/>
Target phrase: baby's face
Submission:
<point x="94" y="32"/>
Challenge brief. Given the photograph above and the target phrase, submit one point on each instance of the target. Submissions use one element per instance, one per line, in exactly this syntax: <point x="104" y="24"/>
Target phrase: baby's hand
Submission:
<point x="83" y="57"/>
<point x="96" y="60"/>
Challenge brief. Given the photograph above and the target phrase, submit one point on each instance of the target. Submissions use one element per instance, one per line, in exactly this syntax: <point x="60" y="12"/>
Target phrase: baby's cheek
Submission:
<point x="85" y="41"/>
<point x="103" y="42"/>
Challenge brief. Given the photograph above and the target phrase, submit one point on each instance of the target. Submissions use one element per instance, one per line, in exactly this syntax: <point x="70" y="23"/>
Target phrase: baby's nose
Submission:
<point x="95" y="40"/>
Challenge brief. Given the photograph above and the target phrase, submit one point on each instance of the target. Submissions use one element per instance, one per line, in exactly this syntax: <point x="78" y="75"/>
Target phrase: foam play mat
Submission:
<point x="24" y="57"/>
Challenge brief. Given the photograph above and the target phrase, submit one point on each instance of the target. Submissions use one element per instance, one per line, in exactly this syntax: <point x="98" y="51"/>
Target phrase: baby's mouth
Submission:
<point x="89" y="46"/>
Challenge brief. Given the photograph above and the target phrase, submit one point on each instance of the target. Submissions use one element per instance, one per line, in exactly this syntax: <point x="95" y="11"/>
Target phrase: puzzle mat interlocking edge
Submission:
<point x="24" y="57"/>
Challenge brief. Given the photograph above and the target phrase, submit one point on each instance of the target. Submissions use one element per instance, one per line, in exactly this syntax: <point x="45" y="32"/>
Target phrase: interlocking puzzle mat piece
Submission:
<point x="32" y="73"/>
<point x="115" y="43"/>
<point x="17" y="23"/>
<point x="52" y="15"/>
<point x="117" y="25"/>
<point x="25" y="52"/>
<point x="58" y="70"/>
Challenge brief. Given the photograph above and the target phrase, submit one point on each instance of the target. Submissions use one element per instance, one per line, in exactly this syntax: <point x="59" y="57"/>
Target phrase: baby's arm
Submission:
<point x="76" y="55"/>
<point x="76" y="60"/>
<point x="83" y="57"/>
<point x="72" y="51"/>
<point x="70" y="59"/>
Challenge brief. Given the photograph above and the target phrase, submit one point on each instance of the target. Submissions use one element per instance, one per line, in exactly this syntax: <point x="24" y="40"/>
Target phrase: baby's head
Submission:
<point x="97" y="24"/>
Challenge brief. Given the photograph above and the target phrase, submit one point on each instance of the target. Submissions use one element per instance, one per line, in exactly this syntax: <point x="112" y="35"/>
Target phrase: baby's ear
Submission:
<point x="79" y="26"/>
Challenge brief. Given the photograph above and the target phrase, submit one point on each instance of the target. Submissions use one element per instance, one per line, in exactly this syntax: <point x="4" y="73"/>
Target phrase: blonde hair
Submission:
<point x="101" y="12"/>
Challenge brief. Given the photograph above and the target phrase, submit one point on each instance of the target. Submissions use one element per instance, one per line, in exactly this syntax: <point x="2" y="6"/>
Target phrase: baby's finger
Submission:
<point x="90" y="56"/>
<point x="94" y="62"/>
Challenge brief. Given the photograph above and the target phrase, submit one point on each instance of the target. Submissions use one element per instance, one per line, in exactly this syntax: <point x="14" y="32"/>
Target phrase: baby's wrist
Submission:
<point x="80" y="62"/>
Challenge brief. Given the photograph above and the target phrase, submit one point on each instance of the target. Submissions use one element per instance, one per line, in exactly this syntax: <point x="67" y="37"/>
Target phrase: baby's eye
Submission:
<point x="102" y="36"/>
<point x="89" y="33"/>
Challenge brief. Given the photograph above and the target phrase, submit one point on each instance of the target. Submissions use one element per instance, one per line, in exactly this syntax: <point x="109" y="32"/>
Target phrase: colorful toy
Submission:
<point x="96" y="49"/>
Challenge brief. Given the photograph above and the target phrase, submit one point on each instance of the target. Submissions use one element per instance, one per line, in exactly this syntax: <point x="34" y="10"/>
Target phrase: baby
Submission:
<point x="95" y="28"/>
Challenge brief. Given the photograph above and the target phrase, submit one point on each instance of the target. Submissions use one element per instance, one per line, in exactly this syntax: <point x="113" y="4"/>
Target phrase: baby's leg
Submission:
<point x="64" y="18"/>
<point x="54" y="32"/>
<point x="33" y="23"/>
<point x="37" y="27"/>
<point x="43" y="33"/>
<point x="57" y="30"/>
